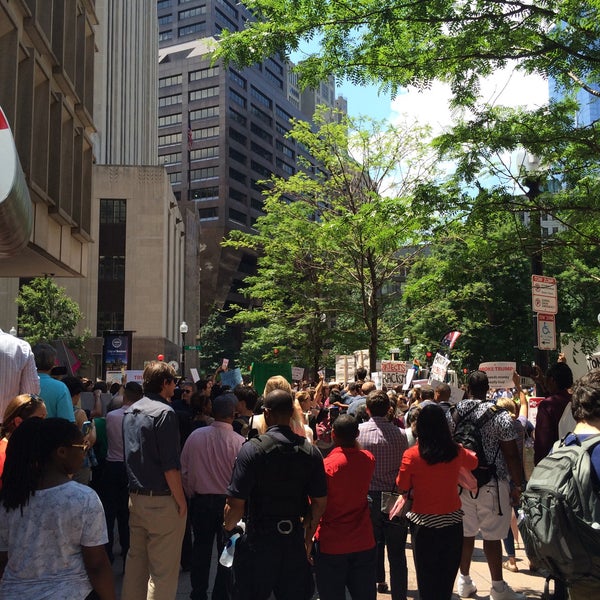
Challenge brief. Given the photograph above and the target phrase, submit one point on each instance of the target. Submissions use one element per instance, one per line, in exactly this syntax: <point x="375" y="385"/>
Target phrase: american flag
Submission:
<point x="190" y="136"/>
<point x="450" y="339"/>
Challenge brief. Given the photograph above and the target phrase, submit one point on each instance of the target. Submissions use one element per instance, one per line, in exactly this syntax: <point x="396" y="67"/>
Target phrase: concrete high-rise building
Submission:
<point x="47" y="93"/>
<point x="221" y="131"/>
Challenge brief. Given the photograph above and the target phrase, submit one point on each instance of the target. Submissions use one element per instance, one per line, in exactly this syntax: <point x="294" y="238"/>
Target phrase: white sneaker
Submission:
<point x="507" y="593"/>
<point x="465" y="588"/>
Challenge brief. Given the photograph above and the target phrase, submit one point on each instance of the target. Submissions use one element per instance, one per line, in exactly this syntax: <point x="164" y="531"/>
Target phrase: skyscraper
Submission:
<point x="221" y="131"/>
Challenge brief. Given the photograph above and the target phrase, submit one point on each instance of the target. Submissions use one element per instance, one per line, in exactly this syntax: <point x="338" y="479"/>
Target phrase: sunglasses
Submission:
<point x="83" y="446"/>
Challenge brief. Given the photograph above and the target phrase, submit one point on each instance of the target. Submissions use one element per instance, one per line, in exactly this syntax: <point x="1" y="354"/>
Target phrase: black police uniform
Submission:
<point x="275" y="474"/>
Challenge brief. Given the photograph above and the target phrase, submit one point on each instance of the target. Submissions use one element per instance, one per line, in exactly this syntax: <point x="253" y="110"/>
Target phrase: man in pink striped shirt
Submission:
<point x="206" y="466"/>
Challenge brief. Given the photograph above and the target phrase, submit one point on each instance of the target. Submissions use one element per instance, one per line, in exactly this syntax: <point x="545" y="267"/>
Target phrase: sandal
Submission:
<point x="510" y="566"/>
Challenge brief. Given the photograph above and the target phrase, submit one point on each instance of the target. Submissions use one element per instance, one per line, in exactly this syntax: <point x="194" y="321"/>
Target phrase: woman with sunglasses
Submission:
<point x="52" y="529"/>
<point x="19" y="408"/>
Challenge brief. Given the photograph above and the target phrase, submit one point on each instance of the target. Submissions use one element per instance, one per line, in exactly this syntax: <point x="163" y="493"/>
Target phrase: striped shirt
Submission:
<point x="436" y="521"/>
<point x="18" y="374"/>
<point x="387" y="443"/>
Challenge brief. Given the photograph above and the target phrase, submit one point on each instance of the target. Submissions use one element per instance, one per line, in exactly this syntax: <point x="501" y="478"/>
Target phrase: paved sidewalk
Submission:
<point x="525" y="581"/>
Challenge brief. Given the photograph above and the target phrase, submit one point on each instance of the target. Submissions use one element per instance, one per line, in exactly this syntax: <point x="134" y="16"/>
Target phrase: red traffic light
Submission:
<point x="161" y="357"/>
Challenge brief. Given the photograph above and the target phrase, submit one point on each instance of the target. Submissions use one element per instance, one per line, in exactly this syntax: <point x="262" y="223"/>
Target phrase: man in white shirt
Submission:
<point x="18" y="374"/>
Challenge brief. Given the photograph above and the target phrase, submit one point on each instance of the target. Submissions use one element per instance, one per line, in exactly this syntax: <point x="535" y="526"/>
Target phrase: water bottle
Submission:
<point x="226" y="558"/>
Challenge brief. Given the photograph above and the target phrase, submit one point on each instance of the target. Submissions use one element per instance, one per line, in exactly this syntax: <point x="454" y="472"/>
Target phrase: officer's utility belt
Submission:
<point x="274" y="526"/>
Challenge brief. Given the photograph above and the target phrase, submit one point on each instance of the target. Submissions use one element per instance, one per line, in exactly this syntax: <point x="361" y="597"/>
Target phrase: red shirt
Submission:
<point x="345" y="526"/>
<point x="435" y="487"/>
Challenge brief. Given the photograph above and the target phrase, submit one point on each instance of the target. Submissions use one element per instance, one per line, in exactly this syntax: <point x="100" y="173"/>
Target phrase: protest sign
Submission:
<point x="232" y="377"/>
<point x="499" y="374"/>
<point x="439" y="367"/>
<point x="393" y="372"/>
<point x="297" y="373"/>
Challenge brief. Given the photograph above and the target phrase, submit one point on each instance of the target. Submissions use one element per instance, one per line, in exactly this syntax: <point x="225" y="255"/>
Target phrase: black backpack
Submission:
<point x="467" y="432"/>
<point x="560" y="513"/>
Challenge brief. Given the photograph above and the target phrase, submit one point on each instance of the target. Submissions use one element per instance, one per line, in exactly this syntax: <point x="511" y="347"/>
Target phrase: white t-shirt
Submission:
<point x="44" y="544"/>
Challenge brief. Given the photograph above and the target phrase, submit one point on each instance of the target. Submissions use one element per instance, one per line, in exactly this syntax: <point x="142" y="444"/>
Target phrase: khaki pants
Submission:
<point x="156" y="533"/>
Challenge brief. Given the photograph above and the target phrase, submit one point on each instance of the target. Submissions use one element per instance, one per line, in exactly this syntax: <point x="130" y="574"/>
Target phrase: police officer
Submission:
<point x="279" y="484"/>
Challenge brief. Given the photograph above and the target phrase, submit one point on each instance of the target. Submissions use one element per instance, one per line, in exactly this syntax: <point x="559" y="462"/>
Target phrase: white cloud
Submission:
<point x="431" y="107"/>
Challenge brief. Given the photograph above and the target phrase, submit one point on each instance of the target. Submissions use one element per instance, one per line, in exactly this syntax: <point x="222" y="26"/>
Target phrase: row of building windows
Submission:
<point x="260" y="114"/>
<point x="204" y="173"/>
<point x="261" y="98"/>
<point x="192" y="12"/>
<point x="111" y="268"/>
<point x="203" y="93"/>
<point x="207" y="193"/>
<point x="228" y="8"/>
<point x="229" y="24"/>
<point x="170" y="159"/>
<point x="237" y="78"/>
<point x="169" y="139"/>
<point x="169" y="100"/>
<point x="113" y="212"/>
<point x="205" y="132"/>
<point x="167" y="120"/>
<point x="193" y="28"/>
<point x="205" y="153"/>
<point x="203" y="73"/>
<point x="236" y="155"/>
<point x="204" y="113"/>
<point x="261" y="133"/>
<point x="167" y="81"/>
<point x="262" y="152"/>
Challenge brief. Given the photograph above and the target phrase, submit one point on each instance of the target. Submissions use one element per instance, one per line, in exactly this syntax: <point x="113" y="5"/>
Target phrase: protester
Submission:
<point x="430" y="472"/>
<point x="279" y="482"/>
<point x="559" y="378"/>
<point x="157" y="503"/>
<point x="488" y="511"/>
<point x="19" y="408"/>
<point x="54" y="393"/>
<point x="52" y="529"/>
<point x="346" y="554"/>
<point x="387" y="443"/>
<point x="206" y="465"/>
<point x="17" y="365"/>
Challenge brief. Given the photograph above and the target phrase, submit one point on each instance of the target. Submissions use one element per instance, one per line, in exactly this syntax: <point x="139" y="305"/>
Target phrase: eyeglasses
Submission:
<point x="84" y="446"/>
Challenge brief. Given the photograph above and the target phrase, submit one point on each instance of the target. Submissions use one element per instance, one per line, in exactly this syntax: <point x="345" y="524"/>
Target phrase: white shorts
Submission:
<point x="481" y="513"/>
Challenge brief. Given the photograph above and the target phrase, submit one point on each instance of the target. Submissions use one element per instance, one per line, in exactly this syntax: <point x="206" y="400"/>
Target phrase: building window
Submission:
<point x="113" y="211"/>
<point x="260" y="169"/>
<point x="164" y="36"/>
<point x="257" y="204"/>
<point x="281" y="130"/>
<point x="208" y="193"/>
<point x="111" y="268"/>
<point x="168" y="140"/>
<point x="206" y="132"/>
<point x="190" y="29"/>
<point x="261" y="98"/>
<point x="261" y="115"/>
<point x="167" y="81"/>
<point x="282" y="114"/>
<point x="236" y="155"/>
<point x="237" y="175"/>
<point x="204" y="93"/>
<point x="261" y="133"/>
<point x="169" y="100"/>
<point x="274" y="79"/>
<point x="262" y="152"/>
<point x="208" y="214"/>
<point x="285" y="149"/>
<point x="175" y="177"/>
<point x="163" y="4"/>
<point x="165" y="20"/>
<point x="237" y="98"/>
<point x="192" y="12"/>
<point x="205" y="173"/>
<point x="205" y="153"/>
<point x="170" y="159"/>
<point x="237" y="78"/>
<point x="285" y="167"/>
<point x="229" y="24"/>
<point x="228" y="9"/>
<point x="167" y="120"/>
<point x="238" y="137"/>
<point x="203" y="73"/>
<point x="204" y="113"/>
<point x="237" y="117"/>
<point x="238" y="216"/>
<point x="237" y="195"/>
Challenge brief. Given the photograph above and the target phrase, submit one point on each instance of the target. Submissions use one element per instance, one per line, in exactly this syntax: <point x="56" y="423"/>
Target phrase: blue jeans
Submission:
<point x="392" y="535"/>
<point x="355" y="570"/>
<point x="206" y="515"/>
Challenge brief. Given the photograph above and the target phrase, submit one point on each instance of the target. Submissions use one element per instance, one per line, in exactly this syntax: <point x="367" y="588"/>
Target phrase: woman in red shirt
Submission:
<point x="430" y="469"/>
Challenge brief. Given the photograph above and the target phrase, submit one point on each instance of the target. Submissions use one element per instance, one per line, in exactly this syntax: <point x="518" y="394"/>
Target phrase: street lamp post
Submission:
<point x="183" y="329"/>
<point x="406" y="341"/>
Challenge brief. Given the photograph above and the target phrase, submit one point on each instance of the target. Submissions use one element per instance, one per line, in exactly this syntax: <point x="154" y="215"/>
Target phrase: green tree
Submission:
<point x="46" y="313"/>
<point x="333" y="236"/>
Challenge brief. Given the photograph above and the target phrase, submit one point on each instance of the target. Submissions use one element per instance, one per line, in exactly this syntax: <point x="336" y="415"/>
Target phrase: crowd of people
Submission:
<point x="314" y="486"/>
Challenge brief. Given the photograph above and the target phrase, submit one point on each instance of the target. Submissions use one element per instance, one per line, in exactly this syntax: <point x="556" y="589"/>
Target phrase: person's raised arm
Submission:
<point x="523" y="404"/>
